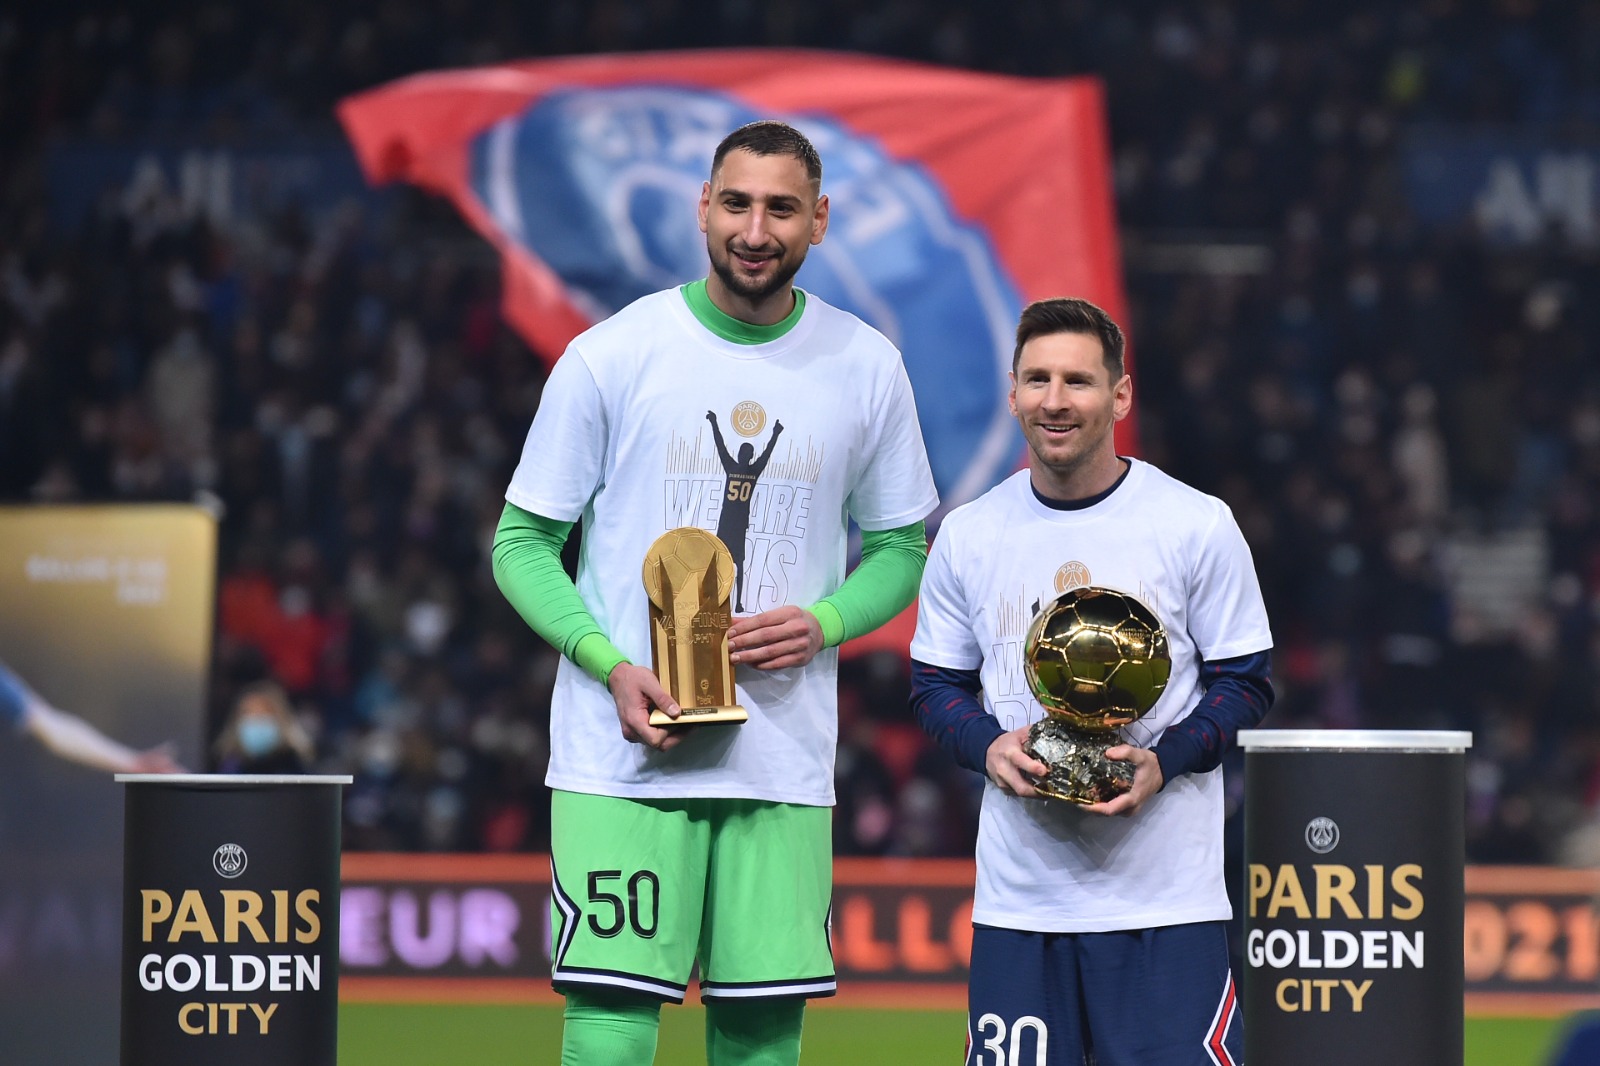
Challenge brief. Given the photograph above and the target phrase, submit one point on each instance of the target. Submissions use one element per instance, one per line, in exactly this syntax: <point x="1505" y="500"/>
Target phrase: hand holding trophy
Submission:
<point x="688" y="577"/>
<point x="1097" y="660"/>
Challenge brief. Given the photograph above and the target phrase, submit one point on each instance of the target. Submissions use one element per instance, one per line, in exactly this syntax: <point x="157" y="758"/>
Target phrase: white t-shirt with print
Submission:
<point x="621" y="440"/>
<point x="1045" y="865"/>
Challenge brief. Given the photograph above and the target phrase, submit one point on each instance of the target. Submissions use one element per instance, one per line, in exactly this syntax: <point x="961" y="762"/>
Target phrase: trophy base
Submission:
<point x="701" y="716"/>
<point x="1079" y="770"/>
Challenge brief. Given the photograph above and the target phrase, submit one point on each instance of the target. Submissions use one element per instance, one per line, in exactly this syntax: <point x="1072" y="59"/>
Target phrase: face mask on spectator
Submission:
<point x="258" y="736"/>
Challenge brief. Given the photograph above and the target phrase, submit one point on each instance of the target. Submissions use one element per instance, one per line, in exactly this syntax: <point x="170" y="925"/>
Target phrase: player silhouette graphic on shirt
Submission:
<point x="733" y="525"/>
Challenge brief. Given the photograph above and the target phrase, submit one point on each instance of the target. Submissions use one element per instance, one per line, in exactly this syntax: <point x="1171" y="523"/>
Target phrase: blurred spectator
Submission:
<point x="263" y="736"/>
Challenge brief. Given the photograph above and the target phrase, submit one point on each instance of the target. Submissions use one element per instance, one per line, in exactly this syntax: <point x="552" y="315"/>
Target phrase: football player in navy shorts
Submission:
<point x="1099" y="931"/>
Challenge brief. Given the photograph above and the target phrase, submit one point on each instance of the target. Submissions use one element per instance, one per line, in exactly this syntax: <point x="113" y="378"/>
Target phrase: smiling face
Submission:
<point x="1068" y="402"/>
<point x="760" y="215"/>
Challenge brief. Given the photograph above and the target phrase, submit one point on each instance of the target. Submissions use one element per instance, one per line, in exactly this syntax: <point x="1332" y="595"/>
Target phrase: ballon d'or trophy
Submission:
<point x="688" y="576"/>
<point x="1097" y="660"/>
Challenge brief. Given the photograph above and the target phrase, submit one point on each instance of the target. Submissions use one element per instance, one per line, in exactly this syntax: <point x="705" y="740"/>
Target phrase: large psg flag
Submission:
<point x="957" y="198"/>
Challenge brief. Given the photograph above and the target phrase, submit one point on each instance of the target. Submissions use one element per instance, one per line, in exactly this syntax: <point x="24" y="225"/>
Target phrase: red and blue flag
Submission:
<point x="957" y="198"/>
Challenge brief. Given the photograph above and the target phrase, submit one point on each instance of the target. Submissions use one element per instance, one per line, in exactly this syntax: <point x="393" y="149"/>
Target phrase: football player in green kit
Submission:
<point x="712" y="844"/>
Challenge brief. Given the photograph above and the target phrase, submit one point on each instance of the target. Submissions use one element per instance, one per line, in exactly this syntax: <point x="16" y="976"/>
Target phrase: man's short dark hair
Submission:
<point x="1068" y="314"/>
<point x="770" y="137"/>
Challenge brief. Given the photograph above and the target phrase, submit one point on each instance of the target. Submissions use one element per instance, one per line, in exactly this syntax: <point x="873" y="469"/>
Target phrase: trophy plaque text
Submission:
<point x="688" y="577"/>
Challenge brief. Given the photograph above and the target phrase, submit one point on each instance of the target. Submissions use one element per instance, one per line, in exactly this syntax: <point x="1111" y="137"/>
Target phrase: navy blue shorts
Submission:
<point x="1148" y="997"/>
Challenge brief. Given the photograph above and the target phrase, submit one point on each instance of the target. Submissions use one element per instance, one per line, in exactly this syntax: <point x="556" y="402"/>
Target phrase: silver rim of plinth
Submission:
<point x="230" y="780"/>
<point x="1421" y="740"/>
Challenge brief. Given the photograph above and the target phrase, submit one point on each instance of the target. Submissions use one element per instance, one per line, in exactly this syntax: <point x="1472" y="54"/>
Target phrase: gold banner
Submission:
<point x="106" y="614"/>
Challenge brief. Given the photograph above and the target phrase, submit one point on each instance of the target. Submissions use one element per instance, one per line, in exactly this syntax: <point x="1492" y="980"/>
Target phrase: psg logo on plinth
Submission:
<point x="1322" y="835"/>
<point x="229" y="860"/>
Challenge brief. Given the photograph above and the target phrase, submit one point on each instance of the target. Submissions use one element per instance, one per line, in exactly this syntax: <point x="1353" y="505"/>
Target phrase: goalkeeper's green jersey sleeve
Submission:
<point x="527" y="567"/>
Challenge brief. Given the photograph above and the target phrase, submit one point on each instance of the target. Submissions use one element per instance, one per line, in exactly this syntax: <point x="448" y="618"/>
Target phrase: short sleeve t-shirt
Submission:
<point x="651" y="422"/>
<point x="1044" y="865"/>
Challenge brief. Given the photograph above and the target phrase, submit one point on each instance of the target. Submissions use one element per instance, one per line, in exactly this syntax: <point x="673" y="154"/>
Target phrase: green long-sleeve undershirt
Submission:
<point x="527" y="567"/>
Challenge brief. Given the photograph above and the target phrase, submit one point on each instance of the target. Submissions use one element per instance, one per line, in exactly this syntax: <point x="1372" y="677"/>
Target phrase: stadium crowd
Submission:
<point x="1396" y="414"/>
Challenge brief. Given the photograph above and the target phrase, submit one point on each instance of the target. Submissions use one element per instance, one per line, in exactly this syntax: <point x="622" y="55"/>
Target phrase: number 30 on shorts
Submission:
<point x="1007" y="1046"/>
<point x="614" y="905"/>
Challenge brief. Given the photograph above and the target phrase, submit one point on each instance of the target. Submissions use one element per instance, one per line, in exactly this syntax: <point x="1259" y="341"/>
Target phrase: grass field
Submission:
<point x="412" y="1035"/>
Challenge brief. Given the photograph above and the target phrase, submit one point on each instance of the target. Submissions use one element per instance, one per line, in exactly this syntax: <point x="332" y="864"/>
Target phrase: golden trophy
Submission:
<point x="1097" y="660"/>
<point x="688" y="576"/>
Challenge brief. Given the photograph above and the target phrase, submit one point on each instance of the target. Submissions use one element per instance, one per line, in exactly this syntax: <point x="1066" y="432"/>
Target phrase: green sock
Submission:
<point x="754" y="1032"/>
<point x="609" y="1027"/>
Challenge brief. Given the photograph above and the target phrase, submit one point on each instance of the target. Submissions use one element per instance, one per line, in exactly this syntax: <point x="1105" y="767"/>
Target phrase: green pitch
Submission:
<point x="409" y="1035"/>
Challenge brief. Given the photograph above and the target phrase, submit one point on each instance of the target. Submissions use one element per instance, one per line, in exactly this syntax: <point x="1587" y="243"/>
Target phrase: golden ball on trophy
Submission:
<point x="1096" y="660"/>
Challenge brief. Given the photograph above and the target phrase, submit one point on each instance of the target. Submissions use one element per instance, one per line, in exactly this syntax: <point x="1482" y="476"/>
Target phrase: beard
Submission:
<point x="753" y="289"/>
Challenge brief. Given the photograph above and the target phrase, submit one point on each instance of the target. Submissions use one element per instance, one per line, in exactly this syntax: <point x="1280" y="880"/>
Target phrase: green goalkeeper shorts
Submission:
<point x="642" y="889"/>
